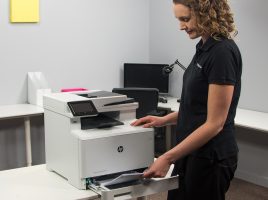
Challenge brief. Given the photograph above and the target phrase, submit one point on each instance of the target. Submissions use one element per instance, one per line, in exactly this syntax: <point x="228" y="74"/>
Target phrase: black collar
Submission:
<point x="208" y="44"/>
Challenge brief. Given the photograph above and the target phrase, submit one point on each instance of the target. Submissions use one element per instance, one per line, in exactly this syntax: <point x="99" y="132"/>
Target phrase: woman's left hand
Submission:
<point x="158" y="169"/>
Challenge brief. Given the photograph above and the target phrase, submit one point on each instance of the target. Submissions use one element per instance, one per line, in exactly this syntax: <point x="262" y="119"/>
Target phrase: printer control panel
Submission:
<point x="82" y="108"/>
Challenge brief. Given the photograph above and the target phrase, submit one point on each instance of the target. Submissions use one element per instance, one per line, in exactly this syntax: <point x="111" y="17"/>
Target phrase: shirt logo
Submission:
<point x="199" y="66"/>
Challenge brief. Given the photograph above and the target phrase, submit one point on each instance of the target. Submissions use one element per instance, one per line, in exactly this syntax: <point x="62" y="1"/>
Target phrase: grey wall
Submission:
<point x="253" y="160"/>
<point x="12" y="145"/>
<point x="168" y="43"/>
<point x="76" y="44"/>
<point x="251" y="17"/>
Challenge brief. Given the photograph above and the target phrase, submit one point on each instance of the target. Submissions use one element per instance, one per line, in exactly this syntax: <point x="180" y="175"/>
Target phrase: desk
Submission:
<point x="244" y="118"/>
<point x="22" y="111"/>
<point x="171" y="106"/>
<point x="36" y="182"/>
<point x="252" y="119"/>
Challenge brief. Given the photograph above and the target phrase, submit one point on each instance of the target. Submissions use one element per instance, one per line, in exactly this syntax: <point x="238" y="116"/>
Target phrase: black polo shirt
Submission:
<point x="215" y="62"/>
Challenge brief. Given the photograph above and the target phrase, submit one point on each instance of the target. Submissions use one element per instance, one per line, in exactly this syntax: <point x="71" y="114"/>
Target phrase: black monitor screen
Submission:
<point x="145" y="76"/>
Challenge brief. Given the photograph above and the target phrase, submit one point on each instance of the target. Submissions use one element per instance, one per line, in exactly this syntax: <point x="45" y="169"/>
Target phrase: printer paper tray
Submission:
<point x="148" y="187"/>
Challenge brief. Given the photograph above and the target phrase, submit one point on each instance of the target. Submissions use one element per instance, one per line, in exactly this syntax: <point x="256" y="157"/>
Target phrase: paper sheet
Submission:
<point x="123" y="178"/>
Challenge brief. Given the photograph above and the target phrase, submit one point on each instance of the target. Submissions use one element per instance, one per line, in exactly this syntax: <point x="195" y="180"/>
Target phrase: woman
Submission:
<point x="205" y="156"/>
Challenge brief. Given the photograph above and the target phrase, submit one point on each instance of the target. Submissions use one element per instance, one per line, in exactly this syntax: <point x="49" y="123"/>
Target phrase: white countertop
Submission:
<point x="172" y="104"/>
<point x="244" y="118"/>
<point x="251" y="119"/>
<point x="38" y="183"/>
<point x="19" y="110"/>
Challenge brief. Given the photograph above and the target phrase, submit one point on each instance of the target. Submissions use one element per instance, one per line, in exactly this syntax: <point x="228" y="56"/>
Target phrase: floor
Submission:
<point x="242" y="190"/>
<point x="239" y="190"/>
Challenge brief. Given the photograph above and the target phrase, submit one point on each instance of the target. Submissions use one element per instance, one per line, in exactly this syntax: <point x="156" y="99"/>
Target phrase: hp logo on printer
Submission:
<point x="120" y="149"/>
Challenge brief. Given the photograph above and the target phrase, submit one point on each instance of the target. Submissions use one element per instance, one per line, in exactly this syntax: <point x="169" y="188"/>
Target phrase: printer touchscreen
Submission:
<point x="81" y="108"/>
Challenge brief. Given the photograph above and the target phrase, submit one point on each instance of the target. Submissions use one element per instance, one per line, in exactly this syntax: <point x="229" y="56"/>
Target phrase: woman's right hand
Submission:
<point x="150" y="121"/>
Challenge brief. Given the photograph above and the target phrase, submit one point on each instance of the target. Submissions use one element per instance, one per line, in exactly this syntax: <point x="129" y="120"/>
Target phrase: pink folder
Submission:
<point x="73" y="89"/>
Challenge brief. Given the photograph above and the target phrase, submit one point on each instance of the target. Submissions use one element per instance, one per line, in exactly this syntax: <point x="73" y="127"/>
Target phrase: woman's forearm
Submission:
<point x="171" y="118"/>
<point x="194" y="141"/>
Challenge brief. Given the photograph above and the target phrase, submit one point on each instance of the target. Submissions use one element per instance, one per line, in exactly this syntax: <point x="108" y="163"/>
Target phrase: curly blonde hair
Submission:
<point x="214" y="17"/>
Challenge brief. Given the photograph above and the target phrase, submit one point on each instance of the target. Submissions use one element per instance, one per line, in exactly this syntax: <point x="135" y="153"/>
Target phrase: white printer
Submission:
<point x="88" y="137"/>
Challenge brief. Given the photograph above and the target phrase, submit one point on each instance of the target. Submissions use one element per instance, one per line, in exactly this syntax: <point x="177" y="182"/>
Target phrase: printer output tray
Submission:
<point x="136" y="189"/>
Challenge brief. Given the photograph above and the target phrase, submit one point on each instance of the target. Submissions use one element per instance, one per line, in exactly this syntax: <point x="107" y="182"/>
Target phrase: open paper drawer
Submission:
<point x="135" y="190"/>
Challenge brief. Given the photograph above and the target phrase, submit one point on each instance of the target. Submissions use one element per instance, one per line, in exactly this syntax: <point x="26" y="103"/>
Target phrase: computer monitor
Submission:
<point x="146" y="76"/>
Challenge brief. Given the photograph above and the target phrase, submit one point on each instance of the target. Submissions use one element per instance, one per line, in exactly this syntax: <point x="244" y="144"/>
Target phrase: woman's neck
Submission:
<point x="204" y="38"/>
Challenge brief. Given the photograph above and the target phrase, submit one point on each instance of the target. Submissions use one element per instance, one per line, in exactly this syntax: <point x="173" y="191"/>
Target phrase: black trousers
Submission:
<point x="202" y="178"/>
